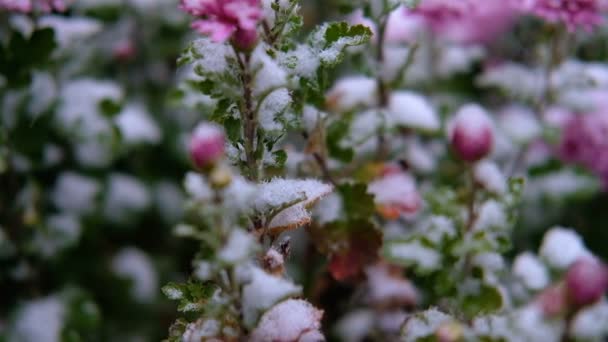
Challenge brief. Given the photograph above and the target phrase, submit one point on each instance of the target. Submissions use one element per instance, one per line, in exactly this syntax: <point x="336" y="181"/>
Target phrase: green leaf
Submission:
<point x="280" y="157"/>
<point x="357" y="202"/>
<point x="487" y="300"/>
<point x="21" y="55"/>
<point x="335" y="132"/>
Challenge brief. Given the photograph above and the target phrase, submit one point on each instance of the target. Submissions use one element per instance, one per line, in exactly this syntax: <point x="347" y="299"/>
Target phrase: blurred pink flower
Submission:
<point x="573" y="13"/>
<point x="27" y="6"/>
<point x="471" y="133"/>
<point x="223" y="19"/>
<point x="206" y="145"/>
<point x="585" y="142"/>
<point x="586" y="281"/>
<point x="467" y="21"/>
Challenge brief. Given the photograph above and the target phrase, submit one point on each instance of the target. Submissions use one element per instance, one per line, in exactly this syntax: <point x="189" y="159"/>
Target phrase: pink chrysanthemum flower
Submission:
<point x="585" y="142"/>
<point x="573" y="13"/>
<point x="223" y="19"/>
<point x="27" y="6"/>
<point x="466" y="21"/>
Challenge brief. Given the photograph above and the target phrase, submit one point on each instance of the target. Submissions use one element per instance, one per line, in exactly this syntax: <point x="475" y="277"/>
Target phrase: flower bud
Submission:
<point x="206" y="145"/>
<point x="586" y="281"/>
<point x="552" y="300"/>
<point x="245" y="40"/>
<point x="471" y="133"/>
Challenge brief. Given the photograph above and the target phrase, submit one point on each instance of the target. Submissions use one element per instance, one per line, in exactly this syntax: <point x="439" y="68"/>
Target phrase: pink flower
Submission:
<point x="586" y="281"/>
<point x="27" y="6"/>
<point x="471" y="133"/>
<point x="467" y="21"/>
<point x="223" y="19"/>
<point x="585" y="142"/>
<point x="206" y="145"/>
<point x="573" y="13"/>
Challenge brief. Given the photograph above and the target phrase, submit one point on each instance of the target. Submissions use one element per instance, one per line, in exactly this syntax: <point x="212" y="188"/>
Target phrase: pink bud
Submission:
<point x="586" y="281"/>
<point x="471" y="133"/>
<point x="245" y="39"/>
<point x="206" y="145"/>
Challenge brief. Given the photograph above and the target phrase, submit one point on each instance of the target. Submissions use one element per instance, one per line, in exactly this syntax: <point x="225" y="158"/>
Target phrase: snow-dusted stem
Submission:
<point x="249" y="117"/>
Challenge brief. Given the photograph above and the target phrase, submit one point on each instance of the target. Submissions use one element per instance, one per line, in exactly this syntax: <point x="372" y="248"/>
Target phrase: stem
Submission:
<point x="471" y="212"/>
<point x="382" y="87"/>
<point x="249" y="117"/>
<point x="324" y="169"/>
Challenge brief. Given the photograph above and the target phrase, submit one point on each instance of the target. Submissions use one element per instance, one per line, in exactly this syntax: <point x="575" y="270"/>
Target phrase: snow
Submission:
<point x="424" y="324"/>
<point x="290" y="320"/>
<point x="355" y="325"/>
<point x="561" y="247"/>
<point x="62" y="230"/>
<point x="94" y="153"/>
<point x="472" y="118"/>
<point x="515" y="79"/>
<point x="278" y="192"/>
<point x="210" y="56"/>
<point x="519" y="124"/>
<point x="591" y="323"/>
<point x="75" y="193"/>
<point x="303" y="61"/>
<point x="133" y="264"/>
<point x="386" y="288"/>
<point x="69" y="30"/>
<point x="269" y="74"/>
<point x="125" y="196"/>
<point x="530" y="324"/>
<point x="491" y="216"/>
<point x="197" y="187"/>
<point x="136" y="126"/>
<point x="420" y="157"/>
<point x="239" y="194"/>
<point x="531" y="271"/>
<point x="271" y="109"/>
<point x="329" y="209"/>
<point x="274" y="259"/>
<point x="203" y="270"/>
<point x="169" y="201"/>
<point x="488" y="174"/>
<point x="396" y="189"/>
<point x="40" y="320"/>
<point x="43" y="92"/>
<point x="264" y="291"/>
<point x="414" y="252"/>
<point x="202" y="330"/>
<point x="239" y="247"/>
<point x="412" y="110"/>
<point x="455" y="59"/>
<point x="438" y="228"/>
<point x="351" y="92"/>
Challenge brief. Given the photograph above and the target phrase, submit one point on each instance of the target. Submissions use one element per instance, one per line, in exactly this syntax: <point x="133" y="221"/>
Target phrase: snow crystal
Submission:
<point x="239" y="247"/>
<point x="424" y="257"/>
<point x="591" y="323"/>
<point x="520" y="124"/>
<point x="531" y="271"/>
<point x="125" y="195"/>
<point x="561" y="247"/>
<point x="355" y="326"/>
<point x="39" y="320"/>
<point x="75" y="193"/>
<point x="69" y="30"/>
<point x="274" y="105"/>
<point x="412" y="110"/>
<point x="136" y="126"/>
<point x="131" y="263"/>
<point x="424" y="324"/>
<point x="264" y="291"/>
<point x="491" y="215"/>
<point x="269" y="74"/>
<point x="490" y="177"/>
<point x="351" y="92"/>
<point x="197" y="187"/>
<point x="289" y="320"/>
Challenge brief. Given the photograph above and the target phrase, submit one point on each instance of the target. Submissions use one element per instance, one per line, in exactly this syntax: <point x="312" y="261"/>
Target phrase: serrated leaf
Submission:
<point x="487" y="300"/>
